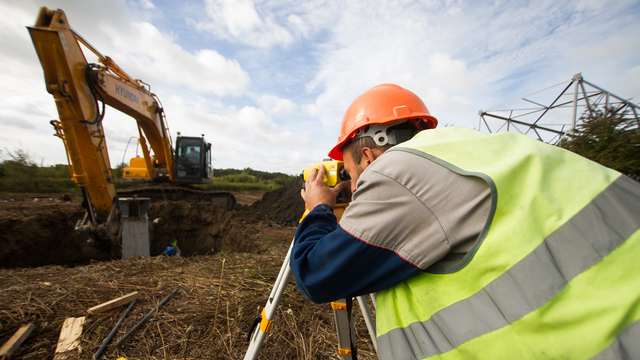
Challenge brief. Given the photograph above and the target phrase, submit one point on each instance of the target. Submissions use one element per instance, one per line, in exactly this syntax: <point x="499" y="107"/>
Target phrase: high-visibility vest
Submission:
<point x="555" y="273"/>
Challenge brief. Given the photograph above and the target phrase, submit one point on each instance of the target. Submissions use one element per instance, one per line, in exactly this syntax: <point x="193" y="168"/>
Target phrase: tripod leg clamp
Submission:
<point x="339" y="306"/>
<point x="265" y="324"/>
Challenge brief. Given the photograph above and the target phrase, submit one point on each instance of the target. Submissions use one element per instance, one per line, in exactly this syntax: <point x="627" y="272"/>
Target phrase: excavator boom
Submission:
<point x="81" y="90"/>
<point x="64" y="68"/>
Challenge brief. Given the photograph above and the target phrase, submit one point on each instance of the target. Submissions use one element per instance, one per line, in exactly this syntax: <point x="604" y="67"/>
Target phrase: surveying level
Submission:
<point x="343" y="316"/>
<point x="334" y="174"/>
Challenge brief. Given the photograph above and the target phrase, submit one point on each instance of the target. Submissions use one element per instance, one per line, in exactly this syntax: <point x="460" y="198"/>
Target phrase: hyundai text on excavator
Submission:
<point x="81" y="90"/>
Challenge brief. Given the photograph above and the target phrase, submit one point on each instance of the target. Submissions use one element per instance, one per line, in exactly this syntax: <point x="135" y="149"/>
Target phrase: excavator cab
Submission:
<point x="193" y="160"/>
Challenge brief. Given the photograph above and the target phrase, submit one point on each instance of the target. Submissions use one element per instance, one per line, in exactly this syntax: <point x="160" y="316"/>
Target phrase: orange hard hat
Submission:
<point x="382" y="104"/>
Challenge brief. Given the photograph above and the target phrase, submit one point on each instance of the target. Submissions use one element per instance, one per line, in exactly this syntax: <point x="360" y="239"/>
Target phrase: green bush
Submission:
<point x="610" y="138"/>
<point x="231" y="186"/>
<point x="250" y="175"/>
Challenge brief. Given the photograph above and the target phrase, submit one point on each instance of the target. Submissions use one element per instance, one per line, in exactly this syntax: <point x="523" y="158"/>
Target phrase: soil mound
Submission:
<point x="38" y="234"/>
<point x="283" y="206"/>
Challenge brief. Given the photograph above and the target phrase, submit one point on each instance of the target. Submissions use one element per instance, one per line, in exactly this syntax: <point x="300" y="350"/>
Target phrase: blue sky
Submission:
<point x="267" y="82"/>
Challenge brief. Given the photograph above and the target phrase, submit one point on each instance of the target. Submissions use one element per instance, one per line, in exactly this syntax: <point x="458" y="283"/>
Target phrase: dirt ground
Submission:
<point x="229" y="265"/>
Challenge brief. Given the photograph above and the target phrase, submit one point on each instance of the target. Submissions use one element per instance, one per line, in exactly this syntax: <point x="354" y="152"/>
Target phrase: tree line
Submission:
<point x="19" y="173"/>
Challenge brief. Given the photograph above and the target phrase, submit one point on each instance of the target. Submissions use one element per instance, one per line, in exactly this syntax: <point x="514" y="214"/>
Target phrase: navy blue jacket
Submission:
<point x="329" y="264"/>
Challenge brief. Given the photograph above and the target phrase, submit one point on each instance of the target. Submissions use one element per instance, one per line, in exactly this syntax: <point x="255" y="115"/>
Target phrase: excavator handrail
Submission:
<point x="105" y="60"/>
<point x="163" y="116"/>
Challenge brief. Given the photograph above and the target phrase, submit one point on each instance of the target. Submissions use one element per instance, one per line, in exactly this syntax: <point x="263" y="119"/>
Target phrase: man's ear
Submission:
<point x="368" y="155"/>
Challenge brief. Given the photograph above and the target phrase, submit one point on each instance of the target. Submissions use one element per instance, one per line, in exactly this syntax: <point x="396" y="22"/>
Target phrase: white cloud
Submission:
<point x="12" y="119"/>
<point x="268" y="81"/>
<point x="631" y="81"/>
<point x="239" y="17"/>
<point x="238" y="135"/>
<point x="609" y="52"/>
<point x="147" y="4"/>
<point x="239" y="20"/>
<point x="158" y="59"/>
<point x="311" y="109"/>
<point x="448" y="74"/>
<point x="275" y="105"/>
<point x="391" y="43"/>
<point x="299" y="24"/>
<point x="255" y="123"/>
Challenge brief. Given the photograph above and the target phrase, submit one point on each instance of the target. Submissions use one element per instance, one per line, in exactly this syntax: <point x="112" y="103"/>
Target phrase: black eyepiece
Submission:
<point x="343" y="174"/>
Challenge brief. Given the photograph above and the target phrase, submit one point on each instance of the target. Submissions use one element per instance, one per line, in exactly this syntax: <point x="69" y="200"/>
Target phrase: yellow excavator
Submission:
<point x="81" y="90"/>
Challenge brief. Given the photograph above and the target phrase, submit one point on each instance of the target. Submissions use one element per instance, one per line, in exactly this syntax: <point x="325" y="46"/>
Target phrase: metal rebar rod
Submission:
<point x="113" y="332"/>
<point x="144" y="319"/>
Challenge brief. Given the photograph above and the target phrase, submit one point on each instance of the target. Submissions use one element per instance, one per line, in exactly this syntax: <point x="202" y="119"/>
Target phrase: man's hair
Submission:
<point x="404" y="132"/>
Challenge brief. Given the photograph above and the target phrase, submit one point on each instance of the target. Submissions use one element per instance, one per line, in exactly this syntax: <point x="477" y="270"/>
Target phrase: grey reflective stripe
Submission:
<point x="596" y="230"/>
<point x="625" y="347"/>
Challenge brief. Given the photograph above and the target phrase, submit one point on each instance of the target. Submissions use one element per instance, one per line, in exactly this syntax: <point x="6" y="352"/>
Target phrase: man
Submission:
<point x="193" y="156"/>
<point x="478" y="246"/>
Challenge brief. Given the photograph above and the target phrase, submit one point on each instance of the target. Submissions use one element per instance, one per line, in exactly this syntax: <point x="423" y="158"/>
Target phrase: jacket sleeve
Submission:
<point x="330" y="264"/>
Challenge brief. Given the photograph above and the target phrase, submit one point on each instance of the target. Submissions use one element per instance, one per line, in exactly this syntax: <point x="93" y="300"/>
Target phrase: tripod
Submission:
<point x="341" y="310"/>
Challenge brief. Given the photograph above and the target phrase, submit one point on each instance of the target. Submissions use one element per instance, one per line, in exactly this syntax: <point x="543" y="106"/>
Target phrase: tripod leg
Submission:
<point x="268" y="312"/>
<point x="343" y="316"/>
<point x="368" y="319"/>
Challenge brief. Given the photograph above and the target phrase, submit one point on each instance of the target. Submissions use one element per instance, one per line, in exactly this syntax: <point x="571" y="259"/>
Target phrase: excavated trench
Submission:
<point x="38" y="230"/>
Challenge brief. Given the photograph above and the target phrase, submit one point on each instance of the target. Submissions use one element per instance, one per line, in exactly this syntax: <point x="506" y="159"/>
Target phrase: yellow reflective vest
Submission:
<point x="555" y="273"/>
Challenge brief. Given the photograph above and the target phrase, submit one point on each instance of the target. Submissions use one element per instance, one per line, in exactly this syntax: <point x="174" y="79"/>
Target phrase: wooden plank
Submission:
<point x="69" y="339"/>
<point x="16" y="340"/>
<point x="113" y="303"/>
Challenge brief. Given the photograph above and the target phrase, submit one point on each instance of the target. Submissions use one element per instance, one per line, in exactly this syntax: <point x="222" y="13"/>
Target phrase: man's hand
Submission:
<point x="315" y="192"/>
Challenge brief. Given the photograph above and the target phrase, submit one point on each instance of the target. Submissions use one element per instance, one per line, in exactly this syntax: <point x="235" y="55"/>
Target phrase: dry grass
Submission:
<point x="217" y="299"/>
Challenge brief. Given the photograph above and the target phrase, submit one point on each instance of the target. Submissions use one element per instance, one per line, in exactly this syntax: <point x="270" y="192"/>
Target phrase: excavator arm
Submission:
<point x="76" y="87"/>
<point x="81" y="91"/>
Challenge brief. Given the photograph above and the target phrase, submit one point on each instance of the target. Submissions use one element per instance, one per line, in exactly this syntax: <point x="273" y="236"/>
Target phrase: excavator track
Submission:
<point x="181" y="193"/>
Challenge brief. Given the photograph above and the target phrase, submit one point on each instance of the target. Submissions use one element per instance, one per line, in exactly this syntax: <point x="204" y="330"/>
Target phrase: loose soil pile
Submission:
<point x="40" y="233"/>
<point x="283" y="206"/>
